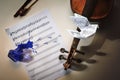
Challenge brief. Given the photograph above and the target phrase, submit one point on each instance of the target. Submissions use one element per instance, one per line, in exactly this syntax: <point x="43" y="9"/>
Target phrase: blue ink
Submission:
<point x="22" y="53"/>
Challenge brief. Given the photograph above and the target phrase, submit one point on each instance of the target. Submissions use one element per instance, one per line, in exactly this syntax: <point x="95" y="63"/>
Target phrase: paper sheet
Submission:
<point x="87" y="29"/>
<point x="40" y="29"/>
<point x="85" y="32"/>
<point x="80" y="21"/>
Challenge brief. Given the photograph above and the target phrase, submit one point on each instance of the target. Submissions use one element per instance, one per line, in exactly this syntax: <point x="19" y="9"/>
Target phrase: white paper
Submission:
<point x="84" y="25"/>
<point x="40" y="29"/>
<point x="80" y="21"/>
<point x="85" y="32"/>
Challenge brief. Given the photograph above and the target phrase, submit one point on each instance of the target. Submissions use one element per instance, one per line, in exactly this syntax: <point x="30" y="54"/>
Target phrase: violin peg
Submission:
<point x="62" y="57"/>
<point x="62" y="50"/>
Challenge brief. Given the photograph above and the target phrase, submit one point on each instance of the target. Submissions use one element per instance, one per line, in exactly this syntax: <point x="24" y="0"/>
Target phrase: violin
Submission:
<point x="94" y="10"/>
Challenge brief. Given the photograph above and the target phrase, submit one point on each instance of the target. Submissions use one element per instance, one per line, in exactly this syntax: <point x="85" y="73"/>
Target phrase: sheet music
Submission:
<point x="40" y="29"/>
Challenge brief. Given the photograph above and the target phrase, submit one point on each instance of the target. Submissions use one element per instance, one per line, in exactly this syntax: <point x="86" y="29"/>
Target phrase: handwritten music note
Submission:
<point x="47" y="42"/>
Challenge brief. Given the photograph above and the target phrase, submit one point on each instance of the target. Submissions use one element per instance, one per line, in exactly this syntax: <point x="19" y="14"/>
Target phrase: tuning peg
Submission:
<point x="62" y="57"/>
<point x="63" y="50"/>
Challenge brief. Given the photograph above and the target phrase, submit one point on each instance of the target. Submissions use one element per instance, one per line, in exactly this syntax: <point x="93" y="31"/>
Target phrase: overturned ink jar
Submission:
<point x="23" y="52"/>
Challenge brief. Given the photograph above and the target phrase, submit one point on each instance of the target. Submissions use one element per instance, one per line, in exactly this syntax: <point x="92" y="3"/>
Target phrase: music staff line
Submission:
<point x="30" y="37"/>
<point x="45" y="62"/>
<point x="42" y="65"/>
<point x="55" y="72"/>
<point x="47" y="42"/>
<point x="42" y="52"/>
<point x="29" y="31"/>
<point x="55" y="65"/>
<point x="47" y="36"/>
<point x="26" y="26"/>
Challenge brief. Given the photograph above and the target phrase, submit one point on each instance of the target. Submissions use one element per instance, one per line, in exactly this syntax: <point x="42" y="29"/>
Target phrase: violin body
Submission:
<point x="93" y="10"/>
<point x="97" y="9"/>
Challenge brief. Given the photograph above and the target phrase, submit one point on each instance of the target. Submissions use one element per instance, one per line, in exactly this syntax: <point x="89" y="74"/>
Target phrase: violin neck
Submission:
<point x="87" y="12"/>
